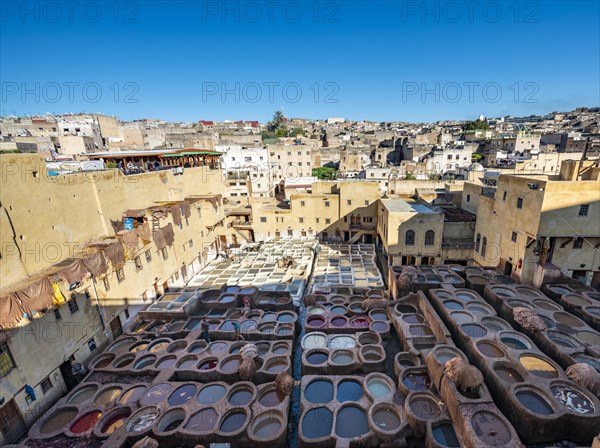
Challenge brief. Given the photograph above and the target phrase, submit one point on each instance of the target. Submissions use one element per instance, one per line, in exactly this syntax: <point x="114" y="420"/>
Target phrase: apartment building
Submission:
<point x="538" y="227"/>
<point x="49" y="226"/>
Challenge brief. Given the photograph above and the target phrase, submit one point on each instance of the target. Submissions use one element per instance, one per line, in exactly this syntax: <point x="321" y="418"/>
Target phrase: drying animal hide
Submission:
<point x="249" y="351"/>
<point x="528" y="319"/>
<point x="465" y="376"/>
<point x="374" y="304"/>
<point x="284" y="383"/>
<point x="146" y="442"/>
<point x="286" y="262"/>
<point x="247" y="369"/>
<point x="586" y="376"/>
<point x="95" y="264"/>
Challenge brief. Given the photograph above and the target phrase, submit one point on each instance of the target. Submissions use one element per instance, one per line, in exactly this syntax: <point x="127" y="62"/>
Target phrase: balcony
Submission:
<point x="240" y="224"/>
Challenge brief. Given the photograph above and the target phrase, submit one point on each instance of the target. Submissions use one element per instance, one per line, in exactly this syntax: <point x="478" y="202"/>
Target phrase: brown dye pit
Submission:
<point x="509" y="375"/>
<point x="568" y="319"/>
<point x="58" y="420"/>
<point x="490" y="429"/>
<point x="115" y="422"/>
<point x="425" y="408"/>
<point x="86" y="422"/>
<point x="138" y="347"/>
<point x="202" y="421"/>
<point x="104" y="362"/>
<point x="589" y="337"/>
<point x="386" y="419"/>
<point x="490" y="350"/>
<point x="538" y="366"/>
<point x="161" y="346"/>
<point x="83" y="394"/>
<point x="108" y="395"/>
<point x="406" y="309"/>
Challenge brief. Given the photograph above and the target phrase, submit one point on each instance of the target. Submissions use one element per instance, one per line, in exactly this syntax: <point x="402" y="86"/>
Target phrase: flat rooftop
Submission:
<point x="401" y="205"/>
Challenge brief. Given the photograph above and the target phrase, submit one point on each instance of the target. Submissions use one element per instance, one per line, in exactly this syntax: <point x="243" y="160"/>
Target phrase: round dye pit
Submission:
<point x="508" y="374"/>
<point x="378" y="388"/>
<point x="413" y="318"/>
<point x="349" y="390"/>
<point x="142" y="420"/>
<point x="280" y="349"/>
<point x="368" y="338"/>
<point x="197" y="347"/>
<point x="534" y="402"/>
<point x="167" y="362"/>
<point x="351" y="422"/>
<point x="568" y="319"/>
<point x="342" y="357"/>
<point x="538" y="366"/>
<point x="342" y="342"/>
<point x="359" y="322"/>
<point x="171" y="420"/>
<point x="266" y="426"/>
<point x="424" y="408"/>
<point x="177" y="346"/>
<point x="380" y="327"/>
<point x="132" y="395"/>
<point x="339" y="310"/>
<point x="158" y="346"/>
<point x="85" y="422"/>
<point x="271" y="397"/>
<point x="474" y="330"/>
<point x="108" y="395"/>
<point x="103" y="361"/>
<point x="269" y="317"/>
<point x="589" y="337"/>
<point x="314" y="340"/>
<point x="401" y="309"/>
<point x="319" y="391"/>
<point x="285" y="317"/>
<point x="315" y="321"/>
<point x="83" y="394"/>
<point x="120" y="344"/>
<point x="314" y="310"/>
<point x="416" y="381"/>
<point x="494" y="323"/>
<point x="217" y="347"/>
<point x="572" y="399"/>
<point x="465" y="296"/>
<point x="461" y="317"/>
<point x="211" y="394"/>
<point x="546" y="305"/>
<point x="145" y="362"/>
<point x="187" y="362"/>
<point x="453" y="305"/>
<point x="445" y="355"/>
<point x="115" y="422"/>
<point x="203" y="421"/>
<point x="338" y="321"/>
<point x="490" y="428"/>
<point x="490" y="350"/>
<point x="445" y="435"/>
<point x="317" y="423"/>
<point x="385" y="418"/>
<point x="479" y="310"/>
<point x="276" y="365"/>
<point x="233" y="422"/>
<point x="156" y="394"/>
<point x="231" y="364"/>
<point x="182" y="394"/>
<point x="515" y="342"/>
<point x="372" y="353"/>
<point x="420" y="330"/>
<point x="58" y="420"/>
<point x="317" y="358"/>
<point x="378" y="315"/>
<point x="208" y="364"/>
<point x="241" y="396"/>
<point x="123" y="361"/>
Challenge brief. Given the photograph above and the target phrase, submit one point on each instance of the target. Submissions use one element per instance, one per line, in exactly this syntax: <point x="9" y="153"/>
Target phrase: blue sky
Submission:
<point x="376" y="60"/>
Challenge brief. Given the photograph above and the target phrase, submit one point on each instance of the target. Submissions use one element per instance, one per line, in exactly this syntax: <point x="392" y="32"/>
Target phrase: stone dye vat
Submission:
<point x="423" y="278"/>
<point x="417" y="324"/>
<point x="583" y="304"/>
<point x="175" y="414"/>
<point x="342" y="353"/>
<point x="347" y="265"/>
<point x="354" y="410"/>
<point x="567" y="340"/>
<point x="524" y="381"/>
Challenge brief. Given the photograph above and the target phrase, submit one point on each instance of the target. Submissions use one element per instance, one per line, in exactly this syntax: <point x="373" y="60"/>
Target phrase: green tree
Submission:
<point x="277" y="121"/>
<point x="477" y="125"/>
<point x="476" y="157"/>
<point x="324" y="173"/>
<point x="296" y="131"/>
<point x="281" y="132"/>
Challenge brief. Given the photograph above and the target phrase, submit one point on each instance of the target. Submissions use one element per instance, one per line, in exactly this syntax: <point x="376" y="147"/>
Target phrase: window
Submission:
<point x="191" y="243"/>
<point x="409" y="238"/>
<point x="484" y="247"/>
<point x="126" y="313"/>
<point x="349" y="202"/>
<point x="519" y="202"/>
<point x="92" y="345"/>
<point x="449" y="156"/>
<point x="429" y="238"/>
<point x="513" y="237"/>
<point x="367" y="202"/>
<point x="327" y="220"/>
<point x="468" y="198"/>
<point x="289" y="153"/>
<point x="247" y="159"/>
<point x="148" y="255"/>
<point x="301" y="220"/>
<point x="302" y="203"/>
<point x="477" y="242"/>
<point x="165" y="253"/>
<point x="263" y="219"/>
<point x="6" y="361"/>
<point x="504" y="196"/>
<point x="121" y="274"/>
<point x="57" y="314"/>
<point x="73" y="305"/>
<point x="577" y="243"/>
<point x="584" y="209"/>
<point x="106" y="283"/>
<point x="138" y="263"/>
<point x="46" y="385"/>
<point x="326" y="203"/>
<point x="317" y="220"/>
